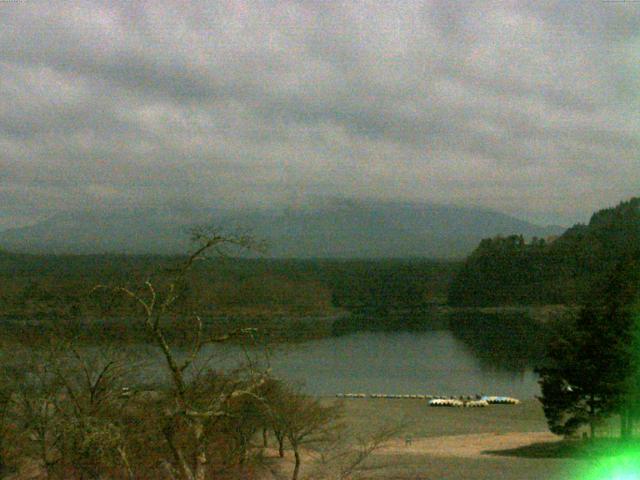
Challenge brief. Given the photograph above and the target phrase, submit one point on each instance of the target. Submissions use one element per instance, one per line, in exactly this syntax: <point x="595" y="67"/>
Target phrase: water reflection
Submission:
<point x="468" y="354"/>
<point x="434" y="362"/>
<point x="501" y="341"/>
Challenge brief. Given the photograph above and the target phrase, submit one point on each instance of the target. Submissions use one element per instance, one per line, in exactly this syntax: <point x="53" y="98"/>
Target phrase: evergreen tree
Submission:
<point x="591" y="370"/>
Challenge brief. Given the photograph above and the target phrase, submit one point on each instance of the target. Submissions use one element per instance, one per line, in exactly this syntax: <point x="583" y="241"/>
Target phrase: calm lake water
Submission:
<point x="432" y="362"/>
<point x="493" y="355"/>
<point x="427" y="362"/>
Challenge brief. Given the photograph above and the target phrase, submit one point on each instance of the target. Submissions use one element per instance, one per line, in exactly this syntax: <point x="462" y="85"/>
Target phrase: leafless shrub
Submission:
<point x="347" y="458"/>
<point x="66" y="410"/>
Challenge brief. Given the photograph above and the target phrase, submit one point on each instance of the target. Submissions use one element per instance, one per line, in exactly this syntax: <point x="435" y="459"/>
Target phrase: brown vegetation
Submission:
<point x="68" y="410"/>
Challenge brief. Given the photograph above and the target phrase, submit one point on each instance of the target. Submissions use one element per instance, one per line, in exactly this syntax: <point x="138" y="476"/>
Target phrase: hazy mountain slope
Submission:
<point x="338" y="228"/>
<point x="90" y="232"/>
<point x="380" y="229"/>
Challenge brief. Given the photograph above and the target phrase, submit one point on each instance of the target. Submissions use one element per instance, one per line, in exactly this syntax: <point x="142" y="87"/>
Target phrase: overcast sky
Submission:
<point x="527" y="107"/>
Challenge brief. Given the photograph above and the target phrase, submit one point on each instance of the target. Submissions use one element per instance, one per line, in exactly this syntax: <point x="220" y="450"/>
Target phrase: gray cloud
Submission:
<point x="526" y="107"/>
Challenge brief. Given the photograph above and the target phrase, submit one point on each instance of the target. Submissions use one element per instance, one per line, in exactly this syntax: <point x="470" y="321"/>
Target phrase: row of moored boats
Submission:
<point x="439" y="401"/>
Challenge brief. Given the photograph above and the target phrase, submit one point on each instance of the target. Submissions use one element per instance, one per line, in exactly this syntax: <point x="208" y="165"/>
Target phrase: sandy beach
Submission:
<point x="506" y="442"/>
<point x="466" y="446"/>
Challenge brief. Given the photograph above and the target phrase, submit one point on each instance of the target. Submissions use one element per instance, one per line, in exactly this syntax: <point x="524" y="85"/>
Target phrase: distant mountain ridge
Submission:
<point x="339" y="228"/>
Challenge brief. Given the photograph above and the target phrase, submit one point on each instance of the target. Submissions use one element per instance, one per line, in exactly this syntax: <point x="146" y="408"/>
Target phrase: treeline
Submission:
<point x="50" y="287"/>
<point x="512" y="271"/>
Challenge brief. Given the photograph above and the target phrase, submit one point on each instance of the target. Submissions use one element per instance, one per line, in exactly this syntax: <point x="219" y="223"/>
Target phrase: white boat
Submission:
<point x="495" y="400"/>
<point x="445" y="402"/>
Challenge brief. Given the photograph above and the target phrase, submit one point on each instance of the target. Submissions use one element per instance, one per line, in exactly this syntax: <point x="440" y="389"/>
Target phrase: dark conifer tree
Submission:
<point x="591" y="369"/>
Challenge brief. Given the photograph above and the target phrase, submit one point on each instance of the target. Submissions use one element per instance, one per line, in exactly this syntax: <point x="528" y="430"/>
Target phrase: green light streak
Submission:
<point x="621" y="465"/>
<point x="622" y="460"/>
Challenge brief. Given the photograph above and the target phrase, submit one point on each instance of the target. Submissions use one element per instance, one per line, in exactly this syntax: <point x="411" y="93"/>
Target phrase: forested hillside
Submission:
<point x="61" y="285"/>
<point x="508" y="270"/>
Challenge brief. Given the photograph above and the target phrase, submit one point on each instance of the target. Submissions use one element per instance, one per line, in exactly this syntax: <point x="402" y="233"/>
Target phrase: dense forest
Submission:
<point x="271" y="294"/>
<point x="512" y="271"/>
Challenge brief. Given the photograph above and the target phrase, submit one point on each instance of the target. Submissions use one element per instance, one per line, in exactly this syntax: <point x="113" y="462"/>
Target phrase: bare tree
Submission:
<point x="303" y="421"/>
<point x="68" y="406"/>
<point x="36" y="411"/>
<point x="272" y="394"/>
<point x="345" y="458"/>
<point x="192" y="412"/>
<point x="7" y="380"/>
<point x="5" y="401"/>
<point x="234" y="431"/>
<point x="93" y="396"/>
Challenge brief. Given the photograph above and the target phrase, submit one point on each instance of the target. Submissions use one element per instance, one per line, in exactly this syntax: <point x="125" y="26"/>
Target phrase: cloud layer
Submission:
<point x="526" y="107"/>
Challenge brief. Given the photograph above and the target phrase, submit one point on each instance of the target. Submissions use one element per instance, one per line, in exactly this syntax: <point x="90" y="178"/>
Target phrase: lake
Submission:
<point x="433" y="362"/>
<point x="489" y="355"/>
